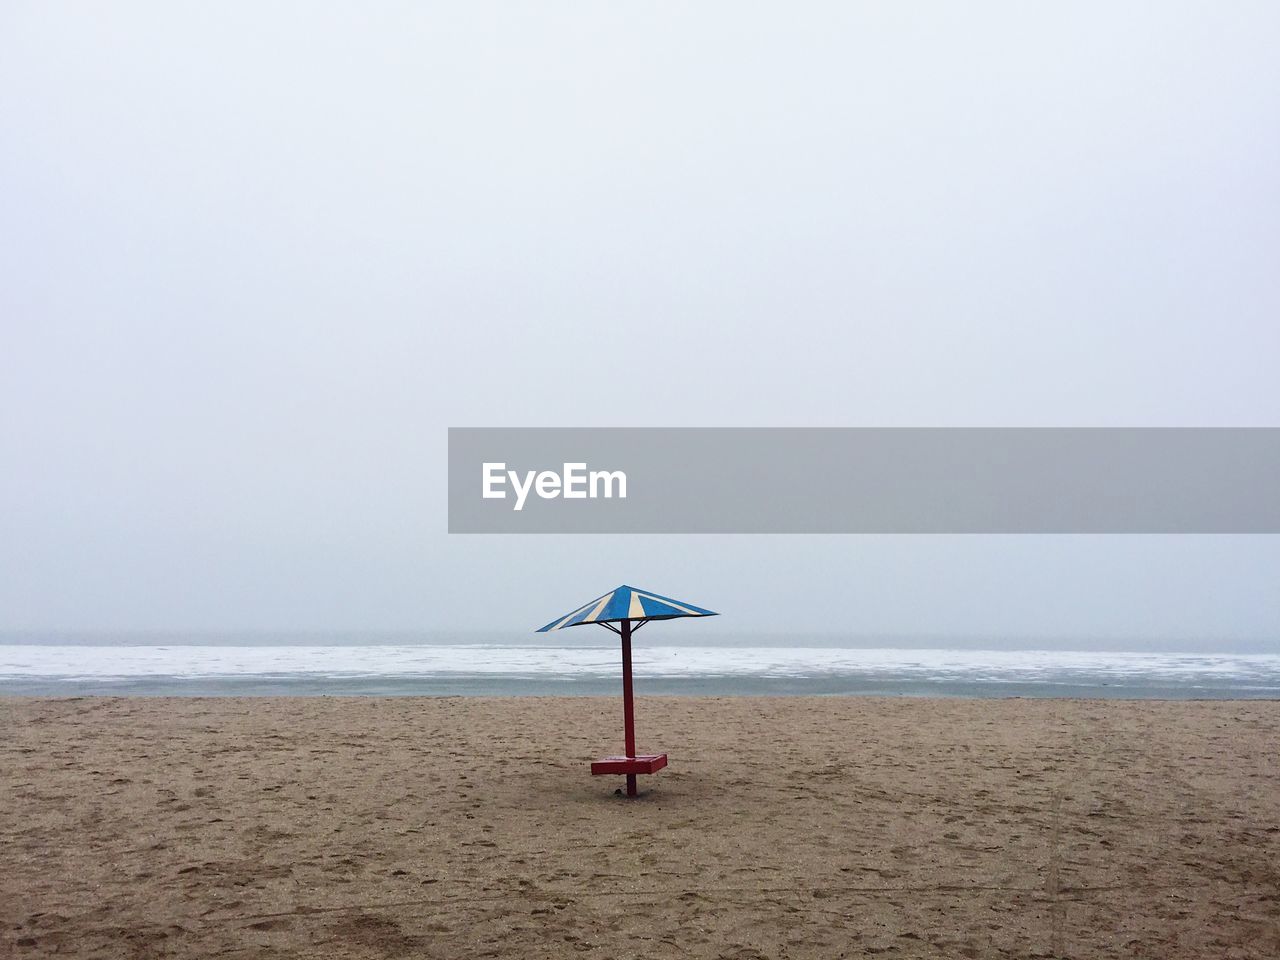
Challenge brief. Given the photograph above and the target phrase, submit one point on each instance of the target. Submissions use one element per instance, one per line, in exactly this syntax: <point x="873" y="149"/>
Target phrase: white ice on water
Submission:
<point x="124" y="662"/>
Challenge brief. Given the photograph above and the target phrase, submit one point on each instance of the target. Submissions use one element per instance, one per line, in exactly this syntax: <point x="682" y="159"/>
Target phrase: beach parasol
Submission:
<point x="618" y="610"/>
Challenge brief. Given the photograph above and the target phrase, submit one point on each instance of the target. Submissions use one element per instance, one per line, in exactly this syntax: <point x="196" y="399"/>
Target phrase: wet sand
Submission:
<point x="784" y="827"/>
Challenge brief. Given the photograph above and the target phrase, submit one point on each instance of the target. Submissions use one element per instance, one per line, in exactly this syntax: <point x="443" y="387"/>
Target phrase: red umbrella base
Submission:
<point x="648" y="763"/>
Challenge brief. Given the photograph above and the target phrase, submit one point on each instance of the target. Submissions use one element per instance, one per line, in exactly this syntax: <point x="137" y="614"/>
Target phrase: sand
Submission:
<point x="784" y="827"/>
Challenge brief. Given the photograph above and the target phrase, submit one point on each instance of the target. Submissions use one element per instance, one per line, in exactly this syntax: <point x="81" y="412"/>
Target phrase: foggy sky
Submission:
<point x="256" y="258"/>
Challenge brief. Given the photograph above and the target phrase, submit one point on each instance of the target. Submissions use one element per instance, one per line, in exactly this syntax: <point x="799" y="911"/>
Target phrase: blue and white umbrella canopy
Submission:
<point x="627" y="603"/>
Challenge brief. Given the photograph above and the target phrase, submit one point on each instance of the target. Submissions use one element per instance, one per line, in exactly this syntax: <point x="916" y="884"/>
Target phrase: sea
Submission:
<point x="582" y="663"/>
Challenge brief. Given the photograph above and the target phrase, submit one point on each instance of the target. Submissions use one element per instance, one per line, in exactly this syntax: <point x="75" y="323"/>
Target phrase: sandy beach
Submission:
<point x="784" y="827"/>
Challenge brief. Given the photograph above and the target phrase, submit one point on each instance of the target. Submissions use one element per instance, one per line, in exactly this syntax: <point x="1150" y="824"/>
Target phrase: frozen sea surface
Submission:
<point x="505" y="669"/>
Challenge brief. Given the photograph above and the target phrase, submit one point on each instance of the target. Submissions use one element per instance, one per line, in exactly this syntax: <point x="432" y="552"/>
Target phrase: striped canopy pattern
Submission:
<point x="627" y="603"/>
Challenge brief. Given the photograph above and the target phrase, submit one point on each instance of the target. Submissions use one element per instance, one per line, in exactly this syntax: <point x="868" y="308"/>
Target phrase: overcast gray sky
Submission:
<point x="256" y="258"/>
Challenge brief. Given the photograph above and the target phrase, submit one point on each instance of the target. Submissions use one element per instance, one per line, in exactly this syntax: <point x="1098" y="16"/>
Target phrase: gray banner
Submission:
<point x="855" y="480"/>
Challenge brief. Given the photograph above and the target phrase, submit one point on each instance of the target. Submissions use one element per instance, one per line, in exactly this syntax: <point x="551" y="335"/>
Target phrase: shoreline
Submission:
<point x="640" y="695"/>
<point x="277" y="692"/>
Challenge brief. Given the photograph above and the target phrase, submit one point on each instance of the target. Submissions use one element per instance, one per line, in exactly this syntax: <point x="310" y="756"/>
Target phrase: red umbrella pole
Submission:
<point x="628" y="706"/>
